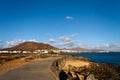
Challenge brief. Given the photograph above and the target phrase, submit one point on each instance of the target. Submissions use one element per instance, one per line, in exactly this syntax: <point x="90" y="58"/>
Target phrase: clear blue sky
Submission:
<point x="95" y="22"/>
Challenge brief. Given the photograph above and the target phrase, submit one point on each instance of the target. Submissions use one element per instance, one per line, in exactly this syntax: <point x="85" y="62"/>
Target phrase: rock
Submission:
<point x="90" y="77"/>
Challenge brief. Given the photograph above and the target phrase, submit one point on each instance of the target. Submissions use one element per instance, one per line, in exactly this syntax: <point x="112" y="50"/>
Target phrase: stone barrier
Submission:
<point x="56" y="69"/>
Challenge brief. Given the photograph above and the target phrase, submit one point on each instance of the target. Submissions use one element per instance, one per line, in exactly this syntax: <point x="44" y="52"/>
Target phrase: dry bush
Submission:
<point x="104" y="71"/>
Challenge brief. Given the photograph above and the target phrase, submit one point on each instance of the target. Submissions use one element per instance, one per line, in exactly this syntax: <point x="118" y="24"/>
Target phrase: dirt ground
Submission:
<point x="14" y="64"/>
<point x="9" y="65"/>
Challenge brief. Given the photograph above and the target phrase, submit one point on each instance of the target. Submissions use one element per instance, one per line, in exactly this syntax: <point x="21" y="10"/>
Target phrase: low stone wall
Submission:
<point x="55" y="67"/>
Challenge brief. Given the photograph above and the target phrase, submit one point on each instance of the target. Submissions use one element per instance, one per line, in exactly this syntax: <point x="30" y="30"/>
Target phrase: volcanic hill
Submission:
<point x="84" y="49"/>
<point x="31" y="46"/>
<point x="80" y="49"/>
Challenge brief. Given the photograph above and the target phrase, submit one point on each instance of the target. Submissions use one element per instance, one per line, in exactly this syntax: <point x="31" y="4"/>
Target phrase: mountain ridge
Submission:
<point x="84" y="49"/>
<point x="31" y="46"/>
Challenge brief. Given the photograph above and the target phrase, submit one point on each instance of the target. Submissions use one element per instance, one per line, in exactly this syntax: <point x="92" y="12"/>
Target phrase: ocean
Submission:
<point x="110" y="57"/>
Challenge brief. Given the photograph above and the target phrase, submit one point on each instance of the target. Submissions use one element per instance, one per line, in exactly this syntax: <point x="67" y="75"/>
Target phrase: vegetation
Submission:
<point x="96" y="71"/>
<point x="104" y="71"/>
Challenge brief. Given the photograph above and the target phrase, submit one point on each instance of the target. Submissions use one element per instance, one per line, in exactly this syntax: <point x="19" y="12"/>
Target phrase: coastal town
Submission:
<point x="59" y="39"/>
<point x="56" y="60"/>
<point x="49" y="50"/>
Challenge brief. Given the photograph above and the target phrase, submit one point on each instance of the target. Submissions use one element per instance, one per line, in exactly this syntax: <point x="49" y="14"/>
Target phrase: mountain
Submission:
<point x="80" y="49"/>
<point x="31" y="46"/>
<point x="96" y="50"/>
<point x="89" y="50"/>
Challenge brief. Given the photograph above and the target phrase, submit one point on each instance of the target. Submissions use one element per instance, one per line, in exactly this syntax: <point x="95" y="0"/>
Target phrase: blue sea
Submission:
<point x="110" y="57"/>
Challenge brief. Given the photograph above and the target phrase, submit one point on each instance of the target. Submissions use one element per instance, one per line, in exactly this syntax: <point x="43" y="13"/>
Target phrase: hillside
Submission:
<point x="96" y="50"/>
<point x="80" y="49"/>
<point x="31" y="46"/>
<point x="83" y="49"/>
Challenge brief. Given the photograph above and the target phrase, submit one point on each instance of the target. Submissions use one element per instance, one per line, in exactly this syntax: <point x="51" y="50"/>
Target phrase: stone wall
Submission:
<point x="55" y="67"/>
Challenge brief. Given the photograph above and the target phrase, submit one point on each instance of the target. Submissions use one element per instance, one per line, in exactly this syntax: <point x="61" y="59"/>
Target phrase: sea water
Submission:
<point x="109" y="57"/>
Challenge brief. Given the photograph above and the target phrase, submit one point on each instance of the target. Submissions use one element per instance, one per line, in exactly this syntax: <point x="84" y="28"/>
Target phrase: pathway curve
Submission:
<point x="39" y="70"/>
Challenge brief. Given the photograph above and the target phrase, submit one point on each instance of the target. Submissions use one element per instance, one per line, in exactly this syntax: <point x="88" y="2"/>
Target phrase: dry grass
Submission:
<point x="76" y="63"/>
<point x="71" y="62"/>
<point x="11" y="61"/>
<point x="11" y="64"/>
<point x="81" y="68"/>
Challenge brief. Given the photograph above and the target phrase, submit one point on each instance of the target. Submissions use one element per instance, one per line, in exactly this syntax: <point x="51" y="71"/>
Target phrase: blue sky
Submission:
<point x="62" y="23"/>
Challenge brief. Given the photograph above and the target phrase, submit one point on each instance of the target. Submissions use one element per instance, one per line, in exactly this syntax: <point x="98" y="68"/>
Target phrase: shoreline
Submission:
<point x="106" y="58"/>
<point x="68" y="64"/>
<point x="82" y="68"/>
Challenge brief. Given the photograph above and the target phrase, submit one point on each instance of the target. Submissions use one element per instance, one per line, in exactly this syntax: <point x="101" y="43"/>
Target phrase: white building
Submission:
<point x="41" y="51"/>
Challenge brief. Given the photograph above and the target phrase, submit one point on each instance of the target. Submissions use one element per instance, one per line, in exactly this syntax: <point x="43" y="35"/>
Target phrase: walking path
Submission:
<point x="39" y="70"/>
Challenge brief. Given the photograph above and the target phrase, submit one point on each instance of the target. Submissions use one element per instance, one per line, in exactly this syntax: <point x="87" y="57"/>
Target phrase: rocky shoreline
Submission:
<point x="80" y="68"/>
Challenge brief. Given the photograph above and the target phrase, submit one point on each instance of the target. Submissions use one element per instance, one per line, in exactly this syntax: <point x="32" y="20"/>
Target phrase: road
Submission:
<point x="39" y="70"/>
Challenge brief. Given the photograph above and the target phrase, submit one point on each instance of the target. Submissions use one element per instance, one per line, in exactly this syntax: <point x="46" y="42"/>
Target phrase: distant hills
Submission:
<point x="80" y="49"/>
<point x="89" y="50"/>
<point x="30" y="46"/>
<point x="96" y="50"/>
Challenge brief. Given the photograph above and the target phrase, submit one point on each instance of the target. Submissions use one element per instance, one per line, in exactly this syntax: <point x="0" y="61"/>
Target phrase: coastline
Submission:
<point x="109" y="58"/>
<point x="83" y="69"/>
<point x="74" y="67"/>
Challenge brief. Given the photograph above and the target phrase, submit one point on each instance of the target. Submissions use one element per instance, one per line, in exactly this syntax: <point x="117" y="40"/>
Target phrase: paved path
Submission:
<point x="34" y="71"/>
